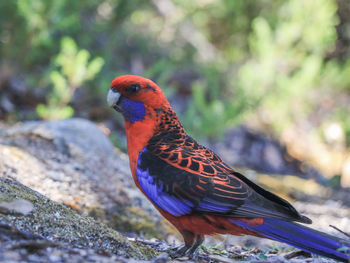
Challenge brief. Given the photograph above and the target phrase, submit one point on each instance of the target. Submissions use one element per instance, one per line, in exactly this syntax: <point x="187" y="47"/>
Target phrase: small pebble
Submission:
<point x="20" y="206"/>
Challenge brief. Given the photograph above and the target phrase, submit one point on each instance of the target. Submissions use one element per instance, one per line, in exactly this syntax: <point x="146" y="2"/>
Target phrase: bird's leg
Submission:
<point x="192" y="252"/>
<point x="189" y="239"/>
<point x="190" y="248"/>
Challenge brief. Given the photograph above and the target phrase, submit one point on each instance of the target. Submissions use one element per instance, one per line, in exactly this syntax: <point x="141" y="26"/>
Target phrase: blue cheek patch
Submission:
<point x="133" y="110"/>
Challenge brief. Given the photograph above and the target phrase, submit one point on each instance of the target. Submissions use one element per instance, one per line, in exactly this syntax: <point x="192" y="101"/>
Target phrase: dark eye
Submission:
<point x="134" y="88"/>
<point x="114" y="89"/>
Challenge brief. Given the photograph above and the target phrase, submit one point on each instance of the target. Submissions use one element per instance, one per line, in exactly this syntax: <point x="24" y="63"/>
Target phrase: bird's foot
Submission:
<point x="182" y="251"/>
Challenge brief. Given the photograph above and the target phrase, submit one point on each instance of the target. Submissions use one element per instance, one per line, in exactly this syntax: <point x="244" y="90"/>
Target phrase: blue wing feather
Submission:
<point x="158" y="193"/>
<point x="182" y="192"/>
<point x="154" y="191"/>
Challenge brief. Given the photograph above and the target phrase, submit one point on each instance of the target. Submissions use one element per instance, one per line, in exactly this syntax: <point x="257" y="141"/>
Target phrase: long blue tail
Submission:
<point x="302" y="237"/>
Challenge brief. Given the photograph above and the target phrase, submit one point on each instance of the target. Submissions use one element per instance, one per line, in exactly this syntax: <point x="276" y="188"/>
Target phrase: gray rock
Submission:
<point x="73" y="162"/>
<point x="65" y="134"/>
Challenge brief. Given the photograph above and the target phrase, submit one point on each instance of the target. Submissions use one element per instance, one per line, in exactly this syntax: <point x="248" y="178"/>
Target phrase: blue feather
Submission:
<point x="154" y="191"/>
<point x="159" y="194"/>
<point x="210" y="207"/>
<point x="301" y="237"/>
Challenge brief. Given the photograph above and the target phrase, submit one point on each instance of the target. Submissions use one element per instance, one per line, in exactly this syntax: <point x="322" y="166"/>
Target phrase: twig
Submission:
<point x="297" y="254"/>
<point x="341" y="231"/>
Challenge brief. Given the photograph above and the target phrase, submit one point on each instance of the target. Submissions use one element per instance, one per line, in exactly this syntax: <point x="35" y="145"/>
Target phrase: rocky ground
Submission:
<point x="66" y="194"/>
<point x="35" y="229"/>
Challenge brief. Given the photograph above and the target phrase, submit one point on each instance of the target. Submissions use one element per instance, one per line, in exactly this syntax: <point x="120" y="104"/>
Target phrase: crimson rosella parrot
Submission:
<point x="193" y="188"/>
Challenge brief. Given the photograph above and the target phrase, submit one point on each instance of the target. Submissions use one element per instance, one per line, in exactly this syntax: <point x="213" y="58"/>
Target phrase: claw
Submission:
<point x="177" y="252"/>
<point x="190" y="251"/>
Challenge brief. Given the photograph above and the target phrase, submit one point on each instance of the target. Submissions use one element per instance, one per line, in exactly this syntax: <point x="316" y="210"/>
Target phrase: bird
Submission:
<point x="194" y="189"/>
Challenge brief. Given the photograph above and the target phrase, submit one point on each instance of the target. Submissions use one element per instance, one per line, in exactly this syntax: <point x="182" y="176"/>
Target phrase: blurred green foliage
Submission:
<point x="277" y="62"/>
<point x="288" y="60"/>
<point x="74" y="71"/>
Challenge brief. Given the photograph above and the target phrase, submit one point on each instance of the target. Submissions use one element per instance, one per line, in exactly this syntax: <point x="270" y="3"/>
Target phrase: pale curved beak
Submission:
<point x="113" y="98"/>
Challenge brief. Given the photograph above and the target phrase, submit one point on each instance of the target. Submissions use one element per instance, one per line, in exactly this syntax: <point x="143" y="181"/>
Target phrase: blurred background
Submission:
<point x="258" y="81"/>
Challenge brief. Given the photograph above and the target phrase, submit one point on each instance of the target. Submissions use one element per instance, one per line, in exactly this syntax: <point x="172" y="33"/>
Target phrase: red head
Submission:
<point x="134" y="96"/>
<point x="142" y="104"/>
